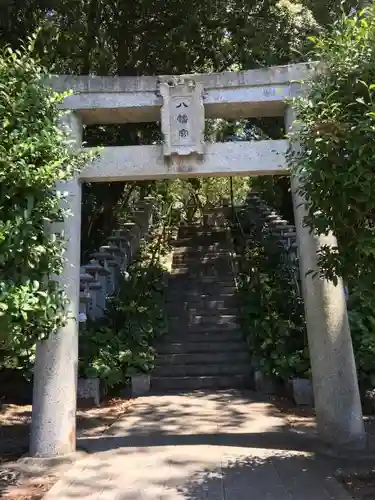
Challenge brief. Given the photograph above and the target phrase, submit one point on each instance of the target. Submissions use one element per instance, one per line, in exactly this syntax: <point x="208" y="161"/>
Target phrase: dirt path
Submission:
<point x="201" y="445"/>
<point x="20" y="479"/>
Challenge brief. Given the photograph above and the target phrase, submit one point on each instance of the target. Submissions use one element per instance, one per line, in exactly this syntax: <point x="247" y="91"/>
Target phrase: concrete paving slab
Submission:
<point x="197" y="447"/>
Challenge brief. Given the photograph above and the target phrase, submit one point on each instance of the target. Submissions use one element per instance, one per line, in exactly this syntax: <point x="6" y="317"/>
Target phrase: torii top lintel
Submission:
<point x="230" y="95"/>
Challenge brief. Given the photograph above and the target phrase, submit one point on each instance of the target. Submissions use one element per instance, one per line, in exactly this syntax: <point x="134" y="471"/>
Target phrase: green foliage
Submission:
<point x="154" y="37"/>
<point x="361" y="312"/>
<point x="35" y="154"/>
<point x="192" y="199"/>
<point x="104" y="205"/>
<point x="336" y="130"/>
<point x="275" y="190"/>
<point x="122" y="341"/>
<point x="147" y="37"/>
<point x="337" y="135"/>
<point x="271" y="306"/>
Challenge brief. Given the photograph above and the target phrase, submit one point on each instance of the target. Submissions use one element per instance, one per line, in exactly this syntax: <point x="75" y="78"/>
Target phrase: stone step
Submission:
<point x="204" y="359"/>
<point x="180" y="384"/>
<point x="200" y="278"/>
<point x="223" y="282"/>
<point x="189" y="291"/>
<point x="218" y="261"/>
<point x="186" y="299"/>
<point x="184" y="335"/>
<point x="216" y="264"/>
<point x="194" y="295"/>
<point x="219" y="320"/>
<point x="228" y="307"/>
<point x="202" y="229"/>
<point x="184" y="329"/>
<point x="199" y="250"/>
<point x="185" y="283"/>
<point x="192" y="258"/>
<point x="218" y="344"/>
<point x="181" y="261"/>
<point x="201" y="274"/>
<point x="214" y="236"/>
<point x="194" y="298"/>
<point x="194" y="252"/>
<point x="200" y="370"/>
<point x="209" y="273"/>
<point x="195" y="249"/>
<point x="175" y="309"/>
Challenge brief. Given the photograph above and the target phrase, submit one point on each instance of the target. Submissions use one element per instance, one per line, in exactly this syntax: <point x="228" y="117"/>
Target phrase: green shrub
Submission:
<point x="35" y="154"/>
<point x="335" y="163"/>
<point x="337" y="135"/>
<point x="361" y="311"/>
<point x="122" y="342"/>
<point x="272" y="311"/>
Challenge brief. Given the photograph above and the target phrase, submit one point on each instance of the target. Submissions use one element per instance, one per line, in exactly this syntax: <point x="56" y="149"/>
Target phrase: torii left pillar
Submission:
<point x="53" y="428"/>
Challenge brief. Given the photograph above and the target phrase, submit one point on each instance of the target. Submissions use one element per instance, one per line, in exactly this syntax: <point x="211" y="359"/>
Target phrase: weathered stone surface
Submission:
<point x="216" y="445"/>
<point x="182" y="116"/>
<point x="369" y="401"/>
<point x="302" y="391"/>
<point x="228" y="95"/>
<point x="336" y="393"/>
<point x="140" y="384"/>
<point x="231" y="95"/>
<point x="88" y="390"/>
<point x="265" y="383"/>
<point x="220" y="159"/>
<point x="190" y="364"/>
<point x="53" y="430"/>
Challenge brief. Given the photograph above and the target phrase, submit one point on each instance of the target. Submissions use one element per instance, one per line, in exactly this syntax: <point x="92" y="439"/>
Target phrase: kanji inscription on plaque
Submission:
<point x="182" y="116"/>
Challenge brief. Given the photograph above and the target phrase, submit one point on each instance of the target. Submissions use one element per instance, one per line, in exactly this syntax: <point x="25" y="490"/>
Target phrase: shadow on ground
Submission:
<point x="198" y="474"/>
<point x="226" y="445"/>
<point x="273" y="477"/>
<point x="226" y="418"/>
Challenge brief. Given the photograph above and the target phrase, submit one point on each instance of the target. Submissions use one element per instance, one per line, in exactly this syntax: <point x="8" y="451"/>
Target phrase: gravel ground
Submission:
<point x="22" y="479"/>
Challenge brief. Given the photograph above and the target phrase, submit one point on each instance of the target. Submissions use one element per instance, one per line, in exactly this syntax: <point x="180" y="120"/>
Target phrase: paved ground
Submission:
<point x="218" y="446"/>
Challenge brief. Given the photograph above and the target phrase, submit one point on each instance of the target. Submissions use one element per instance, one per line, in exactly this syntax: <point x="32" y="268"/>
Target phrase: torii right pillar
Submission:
<point x="336" y="393"/>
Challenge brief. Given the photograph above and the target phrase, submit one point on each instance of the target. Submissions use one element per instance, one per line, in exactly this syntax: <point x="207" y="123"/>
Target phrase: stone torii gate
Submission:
<point x="181" y="104"/>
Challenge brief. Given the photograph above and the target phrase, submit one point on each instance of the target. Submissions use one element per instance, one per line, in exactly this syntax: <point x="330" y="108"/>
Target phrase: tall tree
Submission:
<point x="149" y="37"/>
<point x="154" y="36"/>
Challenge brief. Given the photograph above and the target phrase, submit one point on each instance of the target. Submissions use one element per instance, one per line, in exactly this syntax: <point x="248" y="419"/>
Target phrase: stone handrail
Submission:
<point x="100" y="277"/>
<point x="273" y="225"/>
<point x="283" y="233"/>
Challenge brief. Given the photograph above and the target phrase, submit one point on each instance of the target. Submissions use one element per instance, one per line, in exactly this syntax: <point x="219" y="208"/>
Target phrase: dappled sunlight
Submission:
<point x="219" y="445"/>
<point x="224" y="418"/>
<point x="198" y="473"/>
<point x="195" y="413"/>
<point x="277" y="475"/>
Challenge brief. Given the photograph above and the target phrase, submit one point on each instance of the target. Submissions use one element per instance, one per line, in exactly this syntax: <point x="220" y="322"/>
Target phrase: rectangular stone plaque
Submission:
<point x="182" y="116"/>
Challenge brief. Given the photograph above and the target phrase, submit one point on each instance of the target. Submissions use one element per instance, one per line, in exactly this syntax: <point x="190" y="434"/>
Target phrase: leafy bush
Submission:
<point x="35" y="154"/>
<point x="271" y="306"/>
<point x="337" y="134"/>
<point x="122" y="342"/>
<point x="361" y="311"/>
<point x="336" y="130"/>
<point x="191" y="199"/>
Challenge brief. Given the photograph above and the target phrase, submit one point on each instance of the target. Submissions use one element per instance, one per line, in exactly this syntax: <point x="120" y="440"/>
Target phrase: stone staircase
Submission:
<point x="204" y="347"/>
<point x="100" y="276"/>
